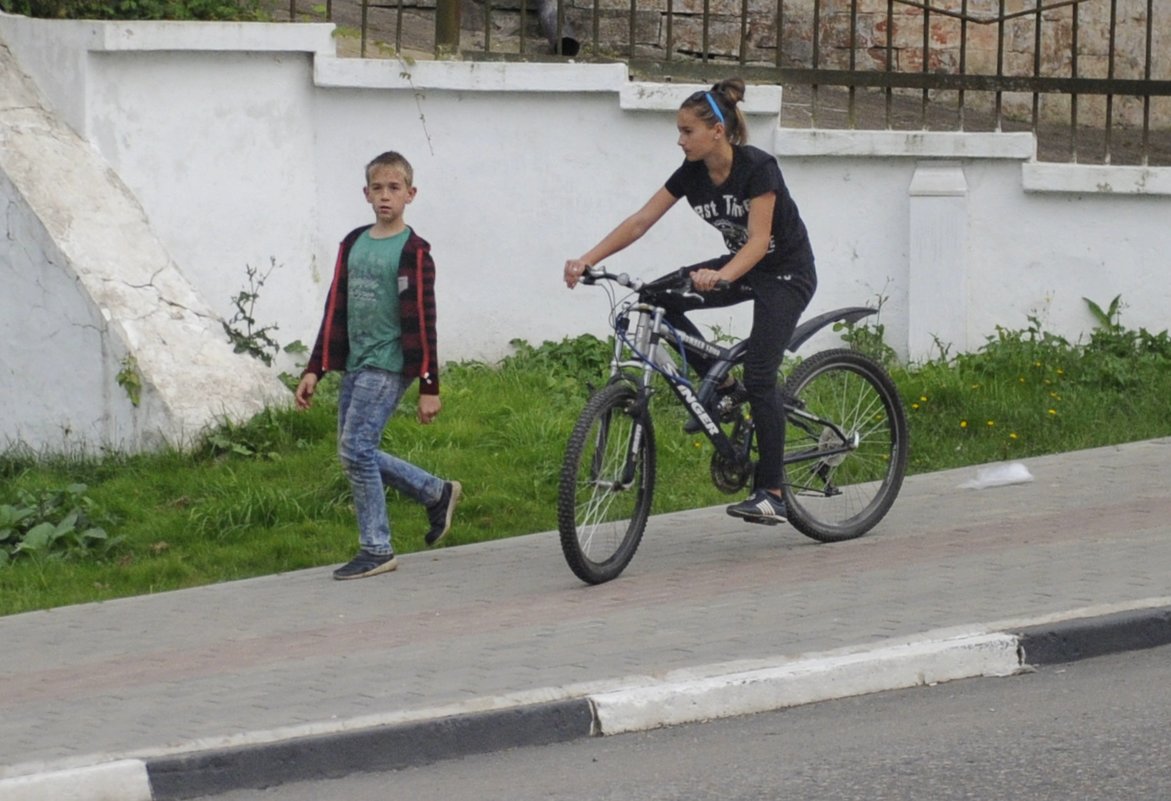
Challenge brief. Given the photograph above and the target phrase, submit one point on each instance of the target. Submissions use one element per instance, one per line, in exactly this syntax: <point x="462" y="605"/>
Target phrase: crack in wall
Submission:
<point x="163" y="299"/>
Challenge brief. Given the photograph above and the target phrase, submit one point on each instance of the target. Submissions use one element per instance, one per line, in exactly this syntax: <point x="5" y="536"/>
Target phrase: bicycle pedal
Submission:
<point x="765" y="521"/>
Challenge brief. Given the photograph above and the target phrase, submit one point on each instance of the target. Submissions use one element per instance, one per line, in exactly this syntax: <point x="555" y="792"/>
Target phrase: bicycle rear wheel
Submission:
<point x="845" y="445"/>
<point x="607" y="484"/>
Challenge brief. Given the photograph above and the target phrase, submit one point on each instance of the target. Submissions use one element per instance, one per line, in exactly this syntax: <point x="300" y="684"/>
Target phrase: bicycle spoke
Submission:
<point x="844" y="471"/>
<point x="600" y="517"/>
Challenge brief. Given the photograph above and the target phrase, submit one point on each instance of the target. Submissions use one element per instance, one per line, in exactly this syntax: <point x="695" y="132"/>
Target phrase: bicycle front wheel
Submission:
<point x="607" y="483"/>
<point x="845" y="445"/>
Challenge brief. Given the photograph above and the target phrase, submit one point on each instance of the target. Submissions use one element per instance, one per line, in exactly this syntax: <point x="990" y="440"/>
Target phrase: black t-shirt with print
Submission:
<point x="754" y="173"/>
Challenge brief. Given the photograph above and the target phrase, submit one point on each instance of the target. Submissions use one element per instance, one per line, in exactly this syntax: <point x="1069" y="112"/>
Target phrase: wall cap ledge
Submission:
<point x="644" y="96"/>
<point x="100" y="36"/>
<point x="479" y="76"/>
<point x="1096" y="179"/>
<point x="467" y="76"/>
<point x="804" y="142"/>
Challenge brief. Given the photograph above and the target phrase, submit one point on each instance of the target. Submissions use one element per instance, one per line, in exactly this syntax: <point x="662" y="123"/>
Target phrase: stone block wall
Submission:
<point x="960" y="36"/>
<point x="982" y="45"/>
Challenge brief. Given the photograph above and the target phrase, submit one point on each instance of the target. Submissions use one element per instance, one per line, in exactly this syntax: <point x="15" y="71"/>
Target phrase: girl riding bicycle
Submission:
<point x="738" y="189"/>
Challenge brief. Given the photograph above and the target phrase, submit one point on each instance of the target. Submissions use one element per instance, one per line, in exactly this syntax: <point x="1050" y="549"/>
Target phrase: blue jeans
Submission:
<point x="365" y="403"/>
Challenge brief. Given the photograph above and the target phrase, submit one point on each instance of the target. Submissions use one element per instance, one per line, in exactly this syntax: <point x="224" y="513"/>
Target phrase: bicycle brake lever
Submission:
<point x="592" y="274"/>
<point x="689" y="290"/>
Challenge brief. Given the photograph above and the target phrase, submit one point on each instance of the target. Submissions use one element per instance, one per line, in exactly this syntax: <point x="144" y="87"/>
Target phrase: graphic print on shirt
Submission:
<point x="729" y="216"/>
<point x="374" y="327"/>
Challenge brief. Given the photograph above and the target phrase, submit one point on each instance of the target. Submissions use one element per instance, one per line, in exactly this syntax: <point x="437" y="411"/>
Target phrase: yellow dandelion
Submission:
<point x="992" y="424"/>
<point x="963" y="423"/>
<point x="1012" y="435"/>
<point x="1052" y="412"/>
<point x="914" y="406"/>
<point x="923" y="398"/>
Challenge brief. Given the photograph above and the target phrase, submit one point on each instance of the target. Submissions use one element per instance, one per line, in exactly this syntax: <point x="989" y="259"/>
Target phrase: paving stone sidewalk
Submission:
<point x="459" y="629"/>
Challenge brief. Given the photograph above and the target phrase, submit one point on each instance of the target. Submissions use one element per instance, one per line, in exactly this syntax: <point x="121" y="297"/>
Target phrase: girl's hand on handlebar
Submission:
<point x="574" y="270"/>
<point x="706" y="280"/>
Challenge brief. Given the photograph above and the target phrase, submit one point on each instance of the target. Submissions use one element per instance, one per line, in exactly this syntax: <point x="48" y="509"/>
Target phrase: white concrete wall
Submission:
<point x="246" y="143"/>
<point x="1037" y="238"/>
<point x="89" y="293"/>
<point x="45" y="315"/>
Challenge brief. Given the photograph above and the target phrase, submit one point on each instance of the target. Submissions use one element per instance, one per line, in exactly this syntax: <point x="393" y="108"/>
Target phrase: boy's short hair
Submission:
<point x="393" y="159"/>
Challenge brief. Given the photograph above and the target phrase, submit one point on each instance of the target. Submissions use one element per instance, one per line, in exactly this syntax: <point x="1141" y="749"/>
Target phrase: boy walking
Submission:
<point x="379" y="328"/>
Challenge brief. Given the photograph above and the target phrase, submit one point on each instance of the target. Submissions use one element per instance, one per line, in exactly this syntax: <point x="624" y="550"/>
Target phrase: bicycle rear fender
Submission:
<point x="848" y="314"/>
<point x="809" y="327"/>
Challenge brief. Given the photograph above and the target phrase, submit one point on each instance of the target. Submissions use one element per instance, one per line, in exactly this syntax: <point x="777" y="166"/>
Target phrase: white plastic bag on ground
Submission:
<point x="999" y="475"/>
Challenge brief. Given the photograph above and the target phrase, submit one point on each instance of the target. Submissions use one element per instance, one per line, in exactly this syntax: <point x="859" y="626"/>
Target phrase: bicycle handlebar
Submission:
<point x="594" y="274"/>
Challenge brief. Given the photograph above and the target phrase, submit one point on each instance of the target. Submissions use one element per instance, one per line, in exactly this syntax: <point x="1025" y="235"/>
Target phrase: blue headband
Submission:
<point x="711" y="101"/>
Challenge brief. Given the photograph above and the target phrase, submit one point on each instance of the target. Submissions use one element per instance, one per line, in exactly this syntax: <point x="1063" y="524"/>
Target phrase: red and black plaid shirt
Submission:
<point x="416" y="311"/>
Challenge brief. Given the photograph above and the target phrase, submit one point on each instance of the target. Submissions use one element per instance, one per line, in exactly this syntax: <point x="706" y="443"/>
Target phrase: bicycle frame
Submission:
<point x="645" y="354"/>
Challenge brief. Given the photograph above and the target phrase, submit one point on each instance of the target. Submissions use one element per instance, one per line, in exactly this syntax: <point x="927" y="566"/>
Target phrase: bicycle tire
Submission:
<point x="601" y="518"/>
<point x="844" y="495"/>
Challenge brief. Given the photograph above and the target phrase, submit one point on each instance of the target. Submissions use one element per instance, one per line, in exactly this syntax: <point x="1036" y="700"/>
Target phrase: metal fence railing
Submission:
<point x="1092" y="78"/>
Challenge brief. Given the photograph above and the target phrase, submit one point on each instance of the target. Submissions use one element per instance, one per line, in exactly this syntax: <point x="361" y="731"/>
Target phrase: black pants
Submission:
<point x="777" y="306"/>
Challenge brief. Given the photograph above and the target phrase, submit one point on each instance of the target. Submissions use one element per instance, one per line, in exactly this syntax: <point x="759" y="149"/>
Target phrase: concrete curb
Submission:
<point x="679" y="697"/>
<point x="807" y="680"/>
<point x="123" y="780"/>
<point x="377" y="749"/>
<point x="1071" y="640"/>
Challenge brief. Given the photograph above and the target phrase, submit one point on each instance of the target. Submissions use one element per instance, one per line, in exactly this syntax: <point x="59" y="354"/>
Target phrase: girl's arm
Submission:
<point x="628" y="231"/>
<point x="760" y="231"/>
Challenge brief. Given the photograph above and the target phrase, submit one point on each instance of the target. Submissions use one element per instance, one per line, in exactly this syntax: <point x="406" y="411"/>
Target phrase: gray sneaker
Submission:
<point x="440" y="513"/>
<point x="761" y="507"/>
<point x="366" y="564"/>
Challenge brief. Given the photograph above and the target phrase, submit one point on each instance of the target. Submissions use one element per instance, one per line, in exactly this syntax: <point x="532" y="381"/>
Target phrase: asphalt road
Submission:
<point x="1095" y="729"/>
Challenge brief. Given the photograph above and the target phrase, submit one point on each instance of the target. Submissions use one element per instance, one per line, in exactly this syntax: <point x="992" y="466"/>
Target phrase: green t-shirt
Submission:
<point x="373" y="312"/>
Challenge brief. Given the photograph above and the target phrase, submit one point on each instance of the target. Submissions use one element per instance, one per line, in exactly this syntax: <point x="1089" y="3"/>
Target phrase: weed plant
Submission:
<point x="268" y="496"/>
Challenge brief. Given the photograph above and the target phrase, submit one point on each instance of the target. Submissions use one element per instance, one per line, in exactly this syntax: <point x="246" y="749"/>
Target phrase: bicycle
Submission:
<point x="845" y="437"/>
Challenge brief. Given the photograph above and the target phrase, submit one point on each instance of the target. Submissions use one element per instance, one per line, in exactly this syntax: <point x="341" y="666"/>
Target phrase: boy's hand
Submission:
<point x="305" y="390"/>
<point x="429" y="407"/>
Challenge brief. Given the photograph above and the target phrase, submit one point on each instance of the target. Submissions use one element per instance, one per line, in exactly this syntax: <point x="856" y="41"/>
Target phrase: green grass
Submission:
<point x="269" y="496"/>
